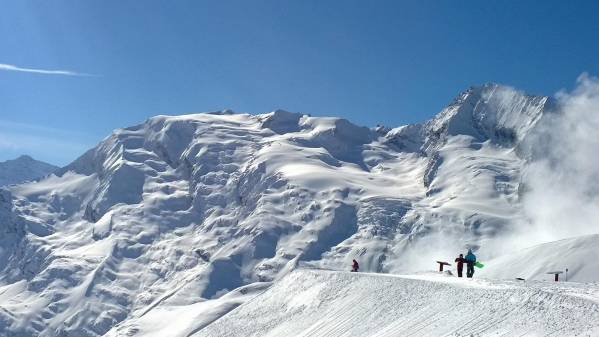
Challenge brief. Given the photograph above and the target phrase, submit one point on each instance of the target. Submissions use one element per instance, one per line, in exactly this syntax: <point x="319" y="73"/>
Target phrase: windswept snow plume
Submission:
<point x="562" y="182"/>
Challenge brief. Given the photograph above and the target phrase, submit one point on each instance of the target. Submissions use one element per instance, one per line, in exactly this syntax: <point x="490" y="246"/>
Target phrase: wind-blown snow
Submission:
<point x="185" y="218"/>
<point x="562" y="184"/>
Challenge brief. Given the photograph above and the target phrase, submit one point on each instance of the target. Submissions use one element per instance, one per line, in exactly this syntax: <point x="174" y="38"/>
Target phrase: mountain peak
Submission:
<point x="281" y="121"/>
<point x="24" y="157"/>
<point x="23" y="168"/>
<point x="490" y="111"/>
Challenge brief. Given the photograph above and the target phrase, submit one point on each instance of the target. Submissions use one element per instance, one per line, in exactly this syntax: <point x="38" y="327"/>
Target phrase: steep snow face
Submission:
<point x="493" y="112"/>
<point x="23" y="169"/>
<point x="179" y="211"/>
<point x="324" y="303"/>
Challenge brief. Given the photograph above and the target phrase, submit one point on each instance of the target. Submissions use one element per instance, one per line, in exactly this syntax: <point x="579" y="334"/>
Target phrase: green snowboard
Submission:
<point x="479" y="265"/>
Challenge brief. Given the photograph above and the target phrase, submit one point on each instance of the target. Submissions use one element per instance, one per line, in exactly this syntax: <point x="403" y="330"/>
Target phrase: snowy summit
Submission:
<point x="167" y="226"/>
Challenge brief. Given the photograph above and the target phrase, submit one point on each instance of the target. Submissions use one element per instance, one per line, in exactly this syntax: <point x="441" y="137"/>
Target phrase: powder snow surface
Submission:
<point x="322" y="303"/>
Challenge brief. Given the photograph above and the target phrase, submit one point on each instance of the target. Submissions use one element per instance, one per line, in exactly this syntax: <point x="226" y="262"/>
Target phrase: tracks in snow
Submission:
<point x="311" y="303"/>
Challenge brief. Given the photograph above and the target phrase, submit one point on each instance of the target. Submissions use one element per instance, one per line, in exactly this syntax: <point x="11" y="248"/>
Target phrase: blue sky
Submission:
<point x="71" y="71"/>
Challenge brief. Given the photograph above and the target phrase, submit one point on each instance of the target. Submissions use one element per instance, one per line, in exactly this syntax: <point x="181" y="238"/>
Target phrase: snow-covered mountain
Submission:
<point x="22" y="169"/>
<point x="195" y="214"/>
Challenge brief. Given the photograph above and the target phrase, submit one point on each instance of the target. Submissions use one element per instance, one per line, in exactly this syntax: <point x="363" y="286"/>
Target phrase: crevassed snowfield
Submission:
<point x="166" y="227"/>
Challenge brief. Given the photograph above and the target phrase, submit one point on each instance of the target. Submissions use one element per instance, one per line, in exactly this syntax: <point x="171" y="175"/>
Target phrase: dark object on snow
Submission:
<point x="441" y="264"/>
<point x="355" y="266"/>
<point x="204" y="255"/>
<point x="470" y="261"/>
<point x="556" y="273"/>
<point x="460" y="261"/>
<point x="469" y="269"/>
<point x="520" y="279"/>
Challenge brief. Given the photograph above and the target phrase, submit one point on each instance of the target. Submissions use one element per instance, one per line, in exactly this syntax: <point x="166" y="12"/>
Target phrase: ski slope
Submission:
<point x="326" y="303"/>
<point x="580" y="255"/>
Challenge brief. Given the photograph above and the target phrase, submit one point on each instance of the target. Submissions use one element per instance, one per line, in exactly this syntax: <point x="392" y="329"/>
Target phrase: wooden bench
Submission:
<point x="556" y="273"/>
<point x="443" y="263"/>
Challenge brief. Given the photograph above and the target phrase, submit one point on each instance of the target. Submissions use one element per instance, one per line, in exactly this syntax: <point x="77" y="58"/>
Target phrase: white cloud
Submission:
<point x="563" y="200"/>
<point x="10" y="67"/>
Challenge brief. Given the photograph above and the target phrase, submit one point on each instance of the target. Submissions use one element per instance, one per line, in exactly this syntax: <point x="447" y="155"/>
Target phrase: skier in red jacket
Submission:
<point x="355" y="266"/>
<point x="460" y="260"/>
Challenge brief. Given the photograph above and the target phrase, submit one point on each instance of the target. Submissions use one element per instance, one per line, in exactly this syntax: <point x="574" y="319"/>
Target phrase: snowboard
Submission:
<point x="479" y="265"/>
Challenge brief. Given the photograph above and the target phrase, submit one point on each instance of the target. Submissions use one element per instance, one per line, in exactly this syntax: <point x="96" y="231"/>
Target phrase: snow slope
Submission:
<point x="186" y="217"/>
<point x="580" y="255"/>
<point x="22" y="169"/>
<point x="324" y="303"/>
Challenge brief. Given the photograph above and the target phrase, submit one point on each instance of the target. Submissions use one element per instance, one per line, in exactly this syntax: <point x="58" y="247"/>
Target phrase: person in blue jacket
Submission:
<point x="470" y="260"/>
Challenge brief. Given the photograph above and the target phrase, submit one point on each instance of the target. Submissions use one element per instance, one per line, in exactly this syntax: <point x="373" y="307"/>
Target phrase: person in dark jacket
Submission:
<point x="355" y="266"/>
<point x="470" y="261"/>
<point x="460" y="261"/>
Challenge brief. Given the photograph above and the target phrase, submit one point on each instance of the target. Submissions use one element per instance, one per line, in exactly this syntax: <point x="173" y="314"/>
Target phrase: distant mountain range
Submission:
<point x="23" y="169"/>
